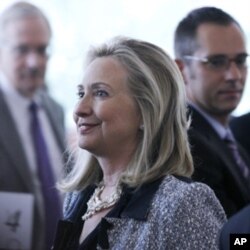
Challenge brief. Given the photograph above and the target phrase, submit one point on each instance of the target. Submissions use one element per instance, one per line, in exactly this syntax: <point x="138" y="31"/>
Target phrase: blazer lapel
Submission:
<point x="10" y="139"/>
<point x="233" y="168"/>
<point x="206" y="133"/>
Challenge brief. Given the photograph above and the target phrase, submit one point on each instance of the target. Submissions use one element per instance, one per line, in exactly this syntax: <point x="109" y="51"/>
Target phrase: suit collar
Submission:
<point x="200" y="124"/>
<point x="137" y="202"/>
<point x="134" y="203"/>
<point x="10" y="138"/>
<point x="205" y="133"/>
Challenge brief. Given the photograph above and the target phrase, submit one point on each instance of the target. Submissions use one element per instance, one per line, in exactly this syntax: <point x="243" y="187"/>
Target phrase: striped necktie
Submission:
<point x="231" y="143"/>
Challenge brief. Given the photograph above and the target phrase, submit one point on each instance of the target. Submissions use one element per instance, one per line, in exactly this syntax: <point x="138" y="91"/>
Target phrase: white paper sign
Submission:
<point x="16" y="220"/>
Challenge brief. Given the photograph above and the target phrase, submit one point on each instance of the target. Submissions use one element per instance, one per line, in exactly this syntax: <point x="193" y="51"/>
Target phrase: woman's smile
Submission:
<point x="85" y="128"/>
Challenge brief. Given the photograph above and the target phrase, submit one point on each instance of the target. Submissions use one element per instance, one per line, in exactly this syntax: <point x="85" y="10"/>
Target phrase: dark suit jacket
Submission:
<point x="215" y="166"/>
<point x="15" y="175"/>
<point x="237" y="224"/>
<point x="241" y="129"/>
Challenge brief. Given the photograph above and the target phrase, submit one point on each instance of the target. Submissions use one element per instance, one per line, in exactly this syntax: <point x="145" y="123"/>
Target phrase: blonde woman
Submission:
<point x="135" y="191"/>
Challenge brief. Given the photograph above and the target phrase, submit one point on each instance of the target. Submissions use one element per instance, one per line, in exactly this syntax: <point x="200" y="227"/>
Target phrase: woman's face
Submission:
<point x="106" y="114"/>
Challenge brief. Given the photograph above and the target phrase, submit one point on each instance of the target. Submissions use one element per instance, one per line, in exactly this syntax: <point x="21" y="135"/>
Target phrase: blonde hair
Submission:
<point x="158" y="89"/>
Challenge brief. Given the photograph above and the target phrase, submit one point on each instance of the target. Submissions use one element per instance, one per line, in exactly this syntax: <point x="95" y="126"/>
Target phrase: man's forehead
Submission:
<point x="221" y="39"/>
<point x="27" y="24"/>
<point x="27" y="30"/>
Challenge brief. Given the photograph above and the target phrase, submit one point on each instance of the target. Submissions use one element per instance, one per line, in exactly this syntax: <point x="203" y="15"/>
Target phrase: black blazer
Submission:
<point x="237" y="224"/>
<point x="215" y="166"/>
<point x="241" y="129"/>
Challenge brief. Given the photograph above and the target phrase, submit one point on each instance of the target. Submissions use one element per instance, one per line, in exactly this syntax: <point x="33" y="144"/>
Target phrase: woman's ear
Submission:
<point x="141" y="127"/>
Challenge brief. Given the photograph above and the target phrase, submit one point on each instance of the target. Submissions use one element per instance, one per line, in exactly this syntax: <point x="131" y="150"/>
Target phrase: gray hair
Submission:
<point x="20" y="10"/>
<point x="158" y="89"/>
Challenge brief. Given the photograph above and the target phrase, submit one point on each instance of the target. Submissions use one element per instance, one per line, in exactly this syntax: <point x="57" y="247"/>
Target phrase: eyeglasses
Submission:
<point x="221" y="62"/>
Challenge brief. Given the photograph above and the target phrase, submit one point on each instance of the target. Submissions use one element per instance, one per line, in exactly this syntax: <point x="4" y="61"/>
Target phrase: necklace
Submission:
<point x="95" y="204"/>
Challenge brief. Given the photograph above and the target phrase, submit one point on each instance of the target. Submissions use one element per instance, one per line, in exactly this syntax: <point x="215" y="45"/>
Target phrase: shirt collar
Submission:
<point x="13" y="97"/>
<point x="218" y="127"/>
<point x="138" y="202"/>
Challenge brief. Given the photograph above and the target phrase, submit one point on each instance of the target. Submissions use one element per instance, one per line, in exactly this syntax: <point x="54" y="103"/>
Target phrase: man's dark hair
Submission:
<point x="185" y="34"/>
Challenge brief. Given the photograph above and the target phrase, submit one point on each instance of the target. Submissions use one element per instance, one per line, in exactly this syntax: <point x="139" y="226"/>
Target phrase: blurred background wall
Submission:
<point x="77" y="24"/>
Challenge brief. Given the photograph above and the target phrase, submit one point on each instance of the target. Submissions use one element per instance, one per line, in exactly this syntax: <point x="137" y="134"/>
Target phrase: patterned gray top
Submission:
<point x="180" y="215"/>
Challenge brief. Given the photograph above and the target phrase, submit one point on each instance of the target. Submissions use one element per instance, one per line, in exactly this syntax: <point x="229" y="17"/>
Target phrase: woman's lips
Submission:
<point x="85" y="128"/>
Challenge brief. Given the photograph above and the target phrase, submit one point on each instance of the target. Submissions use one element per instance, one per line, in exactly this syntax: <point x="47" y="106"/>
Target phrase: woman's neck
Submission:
<point x="112" y="171"/>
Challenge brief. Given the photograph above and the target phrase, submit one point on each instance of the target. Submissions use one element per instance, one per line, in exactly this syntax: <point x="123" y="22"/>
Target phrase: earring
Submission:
<point x="141" y="127"/>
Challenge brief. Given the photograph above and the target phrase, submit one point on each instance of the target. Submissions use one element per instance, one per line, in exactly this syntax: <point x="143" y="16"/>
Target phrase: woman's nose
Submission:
<point x="83" y="107"/>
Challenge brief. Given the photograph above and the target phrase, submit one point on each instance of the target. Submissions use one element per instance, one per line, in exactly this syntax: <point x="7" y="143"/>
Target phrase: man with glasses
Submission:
<point x="210" y="50"/>
<point x="32" y="134"/>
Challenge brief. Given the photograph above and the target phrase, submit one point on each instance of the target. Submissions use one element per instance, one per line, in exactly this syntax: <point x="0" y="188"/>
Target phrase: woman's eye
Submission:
<point x="101" y="93"/>
<point x="80" y="94"/>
